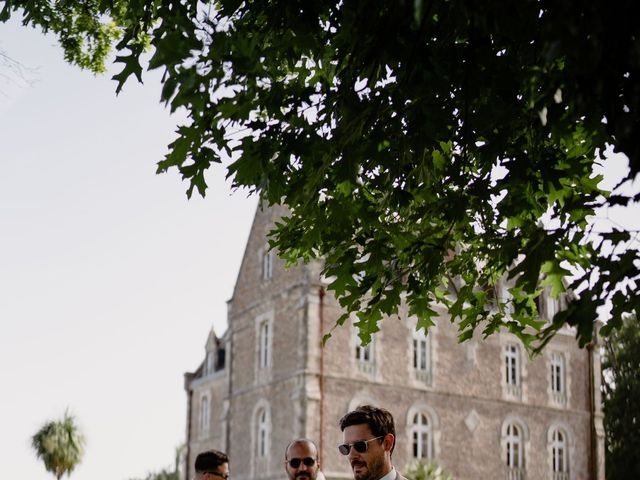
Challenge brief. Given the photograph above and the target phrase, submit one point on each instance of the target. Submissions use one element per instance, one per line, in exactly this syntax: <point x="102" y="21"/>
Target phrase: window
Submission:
<point x="264" y="344"/>
<point x="551" y="308"/>
<point x="559" y="457"/>
<point x="514" y="434"/>
<point x="514" y="441"/>
<point x="267" y="265"/>
<point x="422" y="437"/>
<point x="512" y="370"/>
<point x="262" y="434"/>
<point x="260" y="451"/>
<point x="421" y="357"/>
<point x="263" y="347"/>
<point x="422" y="430"/>
<point x="363" y="353"/>
<point x="558" y="388"/>
<point x="210" y="368"/>
<point x="364" y="356"/>
<point x="204" y="415"/>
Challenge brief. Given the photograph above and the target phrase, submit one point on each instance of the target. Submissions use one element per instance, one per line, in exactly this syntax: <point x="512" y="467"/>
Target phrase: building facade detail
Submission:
<point x="482" y="409"/>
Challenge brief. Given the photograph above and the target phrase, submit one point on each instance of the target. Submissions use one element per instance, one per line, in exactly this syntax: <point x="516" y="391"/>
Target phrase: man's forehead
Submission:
<point x="301" y="449"/>
<point x="357" y="432"/>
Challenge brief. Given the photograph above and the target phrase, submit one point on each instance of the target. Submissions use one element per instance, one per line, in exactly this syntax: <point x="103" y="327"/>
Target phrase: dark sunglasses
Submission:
<point x="295" y="462"/>
<point x="360" y="446"/>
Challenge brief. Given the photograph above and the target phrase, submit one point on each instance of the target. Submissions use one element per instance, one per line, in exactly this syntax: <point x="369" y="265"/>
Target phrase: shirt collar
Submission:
<point x="391" y="475"/>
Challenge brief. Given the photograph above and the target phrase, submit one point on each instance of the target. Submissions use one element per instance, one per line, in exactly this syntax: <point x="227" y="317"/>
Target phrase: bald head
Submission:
<point x="301" y="442"/>
<point x="301" y="460"/>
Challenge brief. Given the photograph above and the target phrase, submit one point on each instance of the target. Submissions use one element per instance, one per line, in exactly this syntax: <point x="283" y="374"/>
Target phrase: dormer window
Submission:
<point x="210" y="365"/>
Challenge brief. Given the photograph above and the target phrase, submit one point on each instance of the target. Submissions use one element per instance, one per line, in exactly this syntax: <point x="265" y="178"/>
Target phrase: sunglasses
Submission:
<point x="295" y="462"/>
<point x="360" y="446"/>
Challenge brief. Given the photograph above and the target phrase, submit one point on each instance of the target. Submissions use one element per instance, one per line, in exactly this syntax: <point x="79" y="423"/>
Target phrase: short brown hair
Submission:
<point x="210" y="460"/>
<point x="379" y="420"/>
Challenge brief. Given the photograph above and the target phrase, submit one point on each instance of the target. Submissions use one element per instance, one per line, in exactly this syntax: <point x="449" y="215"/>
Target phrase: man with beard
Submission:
<point x="301" y="460"/>
<point x="369" y="436"/>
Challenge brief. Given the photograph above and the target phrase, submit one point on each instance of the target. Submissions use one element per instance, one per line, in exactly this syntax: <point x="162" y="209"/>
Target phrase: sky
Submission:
<point x="110" y="279"/>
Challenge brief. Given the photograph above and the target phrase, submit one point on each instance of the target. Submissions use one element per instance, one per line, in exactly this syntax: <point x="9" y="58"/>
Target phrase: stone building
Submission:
<point x="481" y="409"/>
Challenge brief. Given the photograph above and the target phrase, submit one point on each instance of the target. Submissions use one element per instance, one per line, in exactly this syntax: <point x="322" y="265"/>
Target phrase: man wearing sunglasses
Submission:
<point x="369" y="436"/>
<point x="212" y="465"/>
<point x="301" y="460"/>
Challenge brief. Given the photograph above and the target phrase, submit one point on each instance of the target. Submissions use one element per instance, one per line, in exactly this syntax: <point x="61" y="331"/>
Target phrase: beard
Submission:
<point x="371" y="471"/>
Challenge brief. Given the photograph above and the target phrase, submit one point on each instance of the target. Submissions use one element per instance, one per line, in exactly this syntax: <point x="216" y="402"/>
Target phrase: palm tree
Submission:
<point x="60" y="445"/>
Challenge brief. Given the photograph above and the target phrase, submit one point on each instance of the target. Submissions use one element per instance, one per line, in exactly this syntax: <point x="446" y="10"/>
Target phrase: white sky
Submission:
<point x="110" y="279"/>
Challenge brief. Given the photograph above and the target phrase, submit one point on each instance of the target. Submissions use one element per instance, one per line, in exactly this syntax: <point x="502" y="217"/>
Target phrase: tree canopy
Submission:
<point x="621" y="396"/>
<point x="60" y="445"/>
<point x="414" y="142"/>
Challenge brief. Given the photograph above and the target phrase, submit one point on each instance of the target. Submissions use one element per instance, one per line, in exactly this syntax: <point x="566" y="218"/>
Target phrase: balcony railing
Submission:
<point x="365" y="367"/>
<point x="423" y="376"/>
<point x="514" y="473"/>
<point x="514" y="391"/>
<point x="560" y="398"/>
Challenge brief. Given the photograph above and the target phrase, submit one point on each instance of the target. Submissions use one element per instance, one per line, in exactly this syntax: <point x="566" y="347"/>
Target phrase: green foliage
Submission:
<point x="621" y="389"/>
<point x="164" y="474"/>
<point x="88" y="30"/>
<point x="168" y="473"/>
<point x="60" y="445"/>
<point x="425" y="470"/>
<point x="400" y="134"/>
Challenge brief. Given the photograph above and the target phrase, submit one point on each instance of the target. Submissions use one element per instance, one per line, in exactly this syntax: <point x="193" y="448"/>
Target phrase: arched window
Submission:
<point x="513" y="441"/>
<point x="514" y="434"/>
<point x="515" y="447"/>
<point x="262" y="437"/>
<point x="422" y="434"/>
<point x="204" y="416"/>
<point x="260" y="451"/>
<point x="422" y="429"/>
<point x="559" y="455"/>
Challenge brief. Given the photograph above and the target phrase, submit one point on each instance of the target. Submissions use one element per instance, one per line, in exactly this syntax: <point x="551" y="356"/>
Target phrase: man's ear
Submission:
<point x="388" y="441"/>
